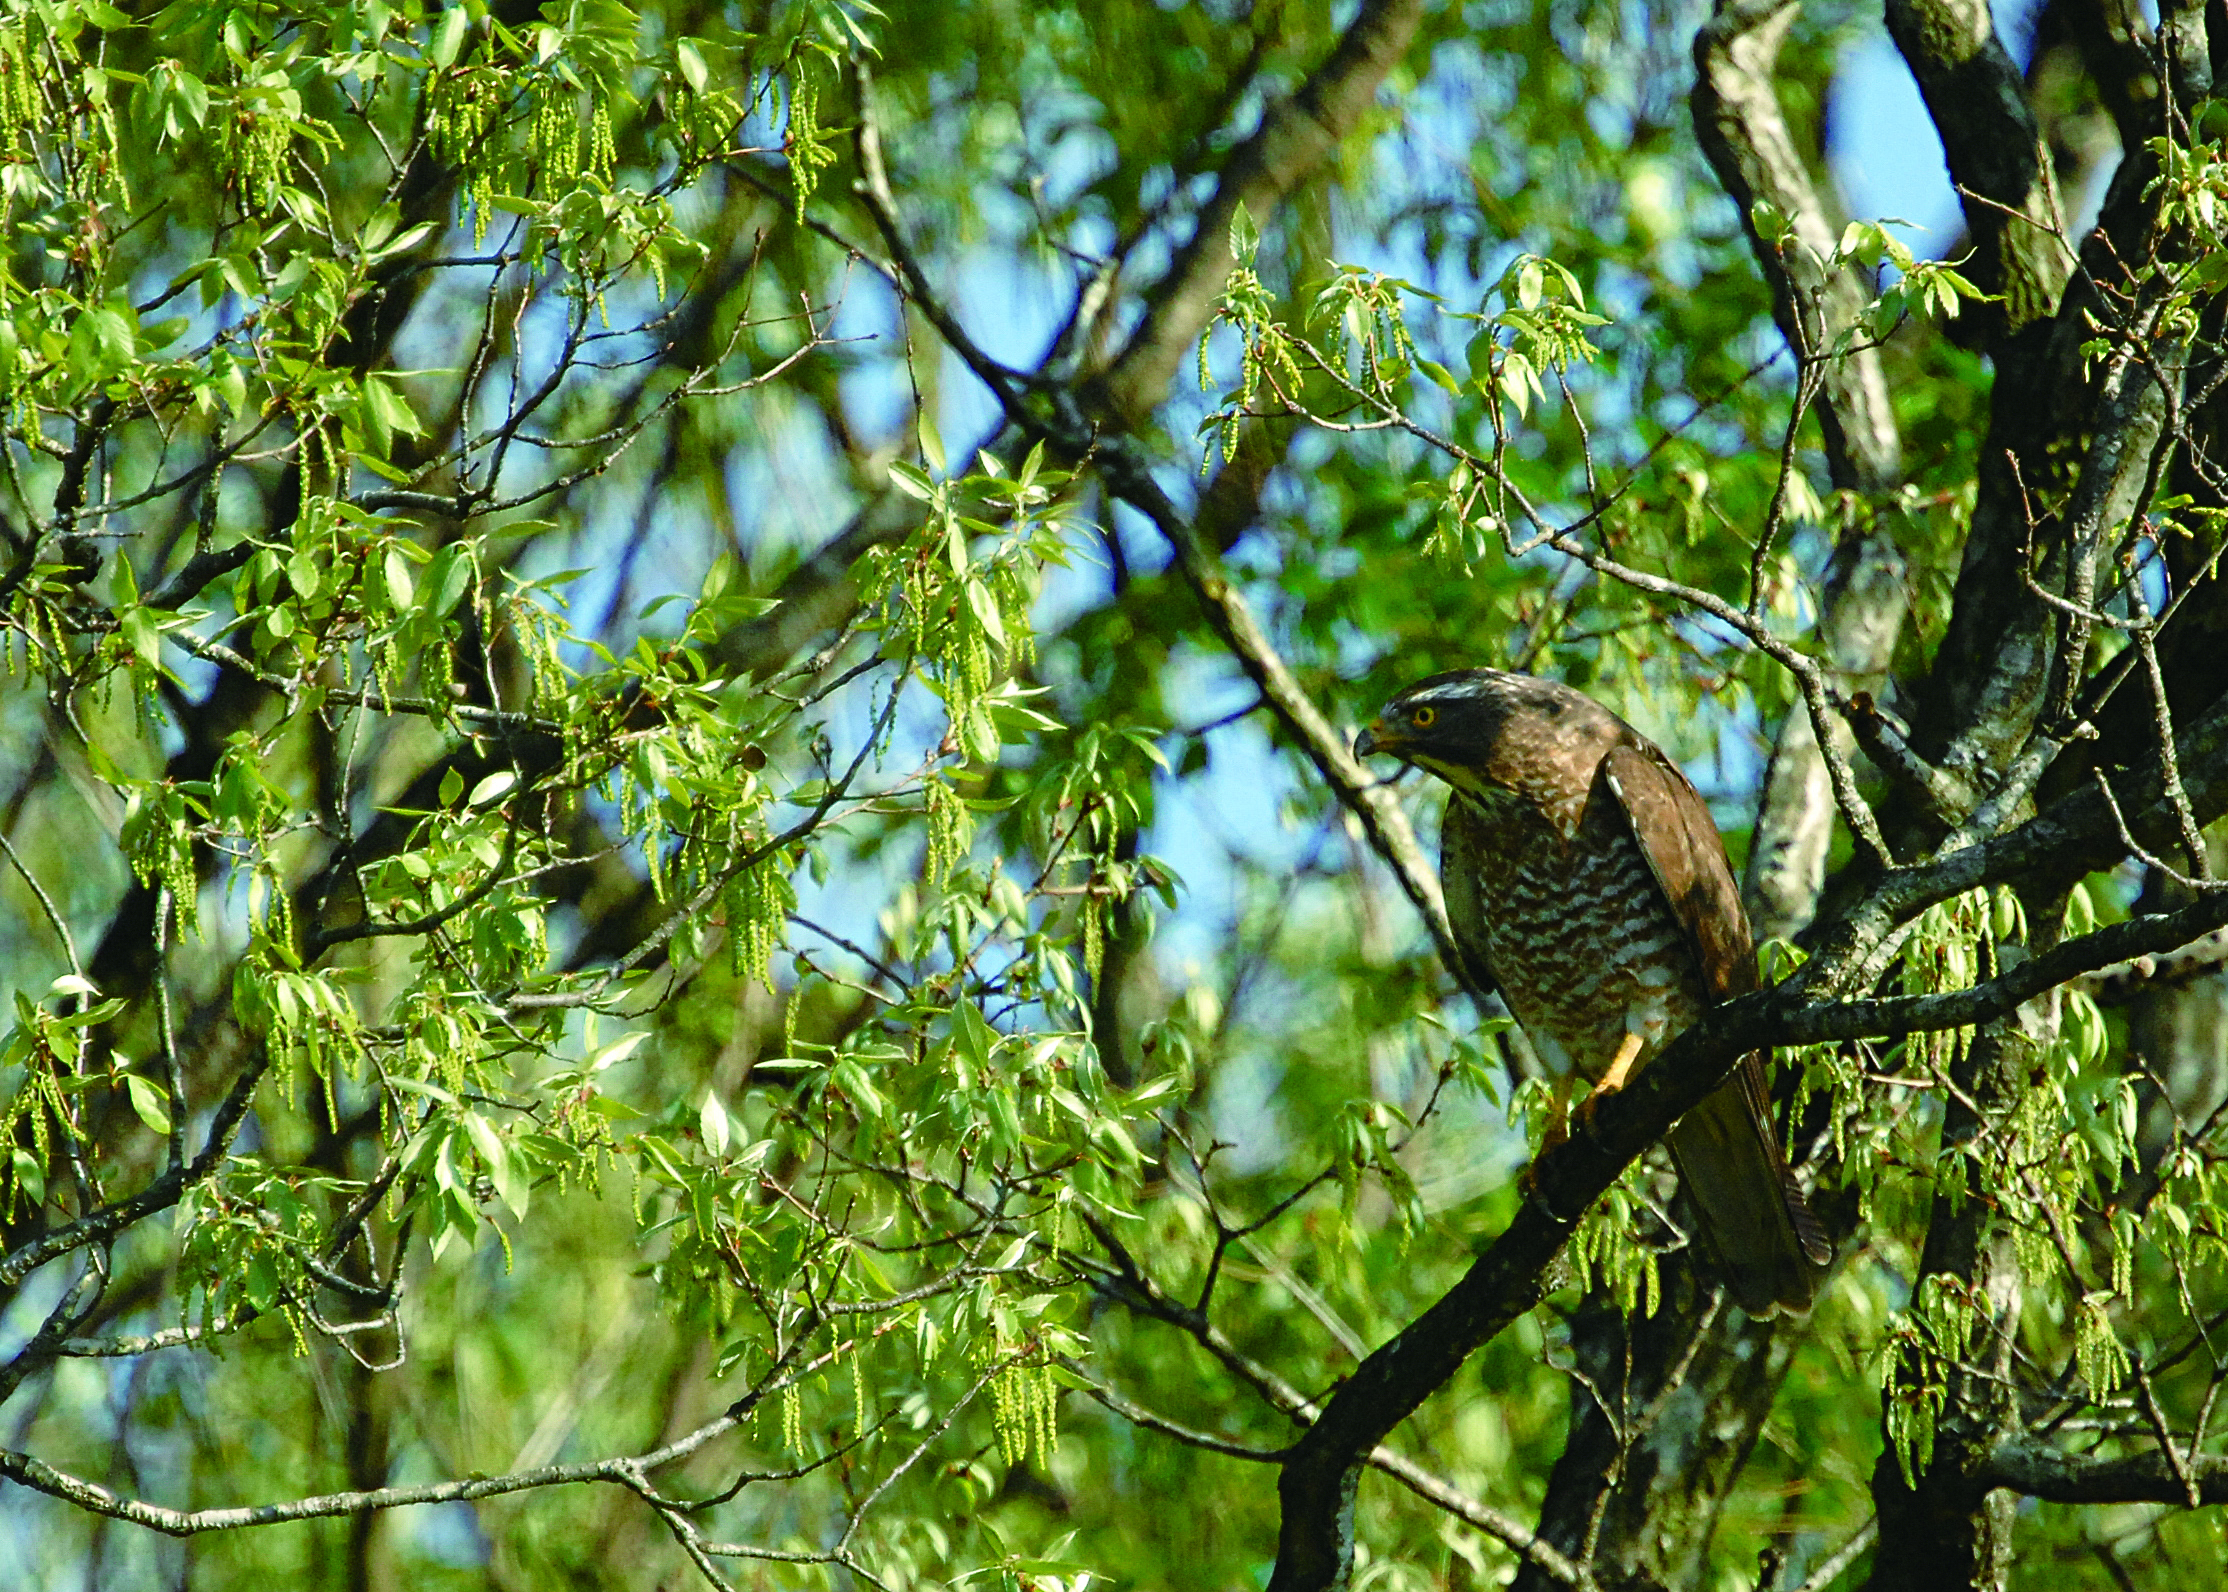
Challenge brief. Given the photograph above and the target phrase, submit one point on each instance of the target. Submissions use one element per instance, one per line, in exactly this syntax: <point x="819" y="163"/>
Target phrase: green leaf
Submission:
<point x="143" y="635"/>
<point x="976" y="1037"/>
<point x="711" y="1121"/>
<point x="485" y="1140"/>
<point x="978" y="733"/>
<point x="493" y="787"/>
<point x="618" y="1050"/>
<point x="1516" y="381"/>
<point x="691" y="62"/>
<point x="386" y="403"/>
<point x="449" y="579"/>
<point x="29" y="1175"/>
<point x="1245" y="237"/>
<point x="985" y="608"/>
<point x="909" y="479"/>
<point x="514" y="1185"/>
<point x="149" y="1101"/>
<point x="448" y="37"/>
<point x="395" y="574"/>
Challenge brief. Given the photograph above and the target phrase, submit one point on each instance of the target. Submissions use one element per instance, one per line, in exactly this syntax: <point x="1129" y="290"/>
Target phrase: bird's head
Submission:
<point x="1475" y="728"/>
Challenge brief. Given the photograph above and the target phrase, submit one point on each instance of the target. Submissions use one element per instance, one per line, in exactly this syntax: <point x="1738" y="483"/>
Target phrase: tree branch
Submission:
<point x="1978" y="103"/>
<point x="1317" y="1488"/>
<point x="2026" y="1464"/>
<point x="1368" y="798"/>
<point x="1743" y="131"/>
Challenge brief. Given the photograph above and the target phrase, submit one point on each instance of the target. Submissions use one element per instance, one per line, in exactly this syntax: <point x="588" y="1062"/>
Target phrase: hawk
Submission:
<point x="1584" y="878"/>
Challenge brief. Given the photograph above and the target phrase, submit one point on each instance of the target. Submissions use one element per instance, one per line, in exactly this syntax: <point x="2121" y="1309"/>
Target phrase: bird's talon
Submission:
<point x="1588" y="1106"/>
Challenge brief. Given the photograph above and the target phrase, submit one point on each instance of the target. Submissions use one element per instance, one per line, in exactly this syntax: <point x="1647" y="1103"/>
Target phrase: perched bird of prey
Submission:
<point x="1585" y="879"/>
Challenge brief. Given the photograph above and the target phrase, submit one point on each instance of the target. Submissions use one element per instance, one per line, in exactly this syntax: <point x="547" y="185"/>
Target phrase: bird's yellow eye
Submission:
<point x="1423" y="718"/>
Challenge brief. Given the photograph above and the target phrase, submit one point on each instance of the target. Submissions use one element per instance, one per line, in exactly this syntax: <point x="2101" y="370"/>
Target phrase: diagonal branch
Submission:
<point x="1368" y="798"/>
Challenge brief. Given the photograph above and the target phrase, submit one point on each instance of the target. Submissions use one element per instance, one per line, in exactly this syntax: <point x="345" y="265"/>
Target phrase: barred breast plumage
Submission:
<point x="1580" y="940"/>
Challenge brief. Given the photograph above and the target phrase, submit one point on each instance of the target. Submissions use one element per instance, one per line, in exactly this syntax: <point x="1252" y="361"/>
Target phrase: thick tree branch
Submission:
<point x="1737" y="117"/>
<point x="1978" y="103"/>
<point x="2026" y="1464"/>
<point x="1990" y="675"/>
<point x="2120" y="981"/>
<point x="2074" y="836"/>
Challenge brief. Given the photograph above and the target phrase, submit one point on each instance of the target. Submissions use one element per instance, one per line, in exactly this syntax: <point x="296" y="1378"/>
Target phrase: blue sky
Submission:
<point x="1883" y="148"/>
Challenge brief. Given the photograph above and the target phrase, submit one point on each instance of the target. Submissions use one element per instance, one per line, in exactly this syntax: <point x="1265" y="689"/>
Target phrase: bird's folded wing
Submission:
<point x="1672" y="824"/>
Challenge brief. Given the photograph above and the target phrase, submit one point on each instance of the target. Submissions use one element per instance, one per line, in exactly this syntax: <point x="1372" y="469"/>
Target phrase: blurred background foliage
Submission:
<point x="647" y="984"/>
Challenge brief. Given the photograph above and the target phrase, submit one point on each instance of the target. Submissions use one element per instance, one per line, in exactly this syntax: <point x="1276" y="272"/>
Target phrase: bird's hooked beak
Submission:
<point x="1375" y="738"/>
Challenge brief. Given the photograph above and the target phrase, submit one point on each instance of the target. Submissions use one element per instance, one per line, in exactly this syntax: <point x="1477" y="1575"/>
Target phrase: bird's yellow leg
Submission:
<point x="1620" y="1068"/>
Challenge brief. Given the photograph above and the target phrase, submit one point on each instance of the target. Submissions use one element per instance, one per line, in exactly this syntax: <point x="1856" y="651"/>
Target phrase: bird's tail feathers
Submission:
<point x="1817" y="1248"/>
<point x="1770" y="1249"/>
